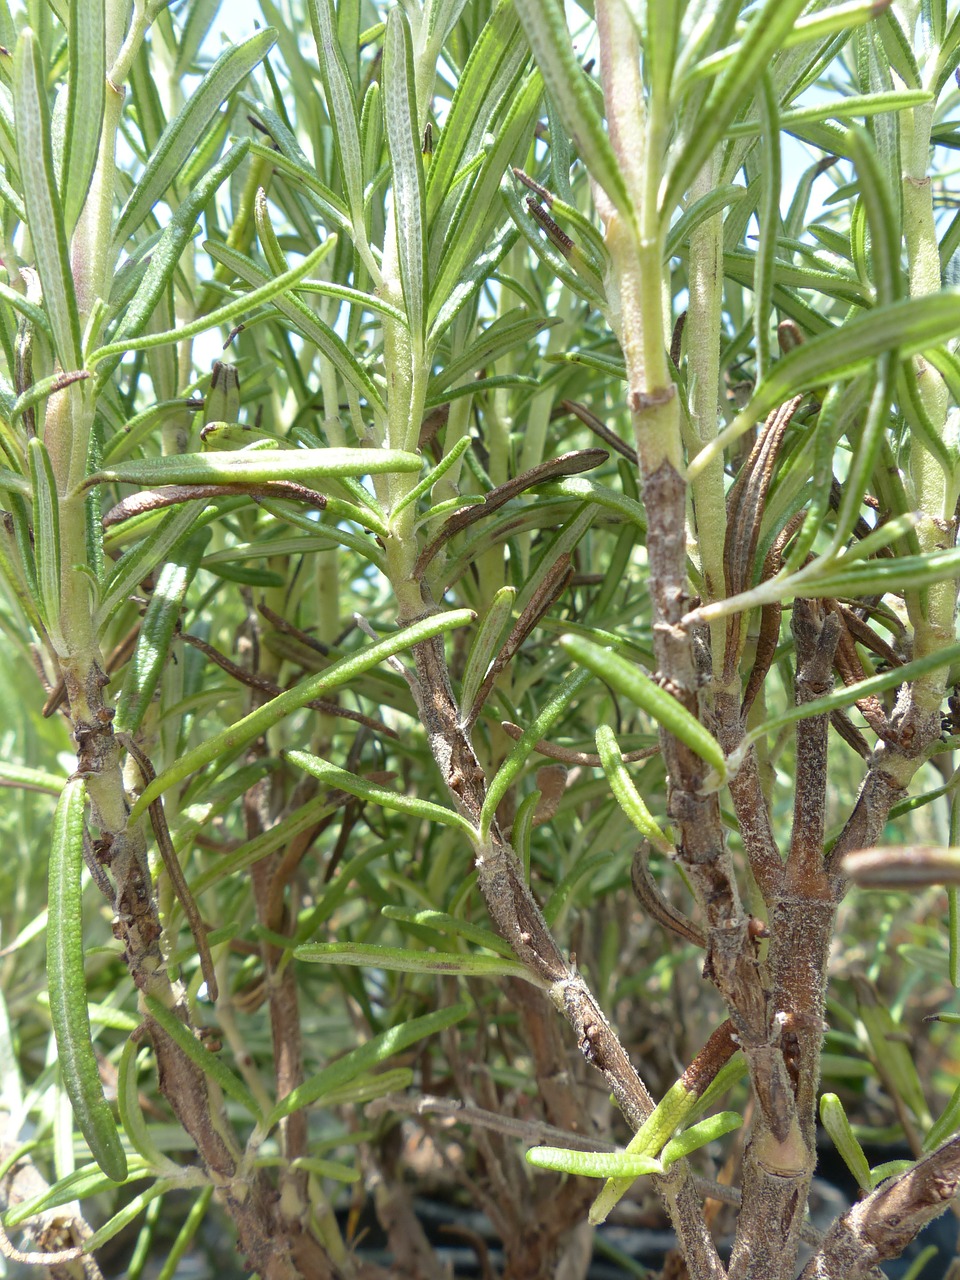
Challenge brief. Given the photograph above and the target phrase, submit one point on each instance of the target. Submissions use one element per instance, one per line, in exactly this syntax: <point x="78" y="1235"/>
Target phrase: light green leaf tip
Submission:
<point x="645" y="693"/>
<point x="593" y="1164"/>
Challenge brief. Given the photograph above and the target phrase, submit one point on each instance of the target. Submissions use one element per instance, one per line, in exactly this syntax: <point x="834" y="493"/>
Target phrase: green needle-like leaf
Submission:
<point x="403" y="140"/>
<point x="259" y="721"/>
<point x="85" y="97"/>
<point x="509" y="332"/>
<point x="402" y="960"/>
<point x="165" y="257"/>
<point x="331" y="345"/>
<point x="492" y="72"/>
<point x="341" y="105"/>
<point x="593" y="1164"/>
<point x="24" y="778"/>
<point x="270" y="290"/>
<point x="444" y="923"/>
<point x="156" y="633"/>
<point x="46" y="538"/>
<point x="625" y="791"/>
<point x="196" y="25"/>
<point x="182" y="134"/>
<point x="436" y="473"/>
<point x="352" y="783"/>
<point x="887" y="1046"/>
<point x="131" y="1114"/>
<point x="946" y="1125"/>
<point x="713" y="202"/>
<point x="834" y="1120"/>
<point x="698" y="1135"/>
<point x="258" y="466"/>
<point x="68" y="988"/>
<point x="208" y="1062"/>
<point x="545" y="25"/>
<point x="768" y="26"/>
<point x="881" y="216"/>
<point x="487" y="641"/>
<point x="678" y="1106"/>
<point x="769" y="223"/>
<point x="469" y="235"/>
<point x="88" y="1181"/>
<point x="909" y="325"/>
<point x="846" y="696"/>
<point x="847" y="108"/>
<point x="521" y="750"/>
<point x="42" y="199"/>
<point x="583" y="490"/>
<point x="661" y="706"/>
<point x="130" y="1211"/>
<point x="369" y="1055"/>
<point x="142" y="559"/>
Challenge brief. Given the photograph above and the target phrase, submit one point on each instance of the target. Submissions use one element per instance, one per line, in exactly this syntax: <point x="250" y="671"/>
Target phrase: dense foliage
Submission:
<point x="538" y="612"/>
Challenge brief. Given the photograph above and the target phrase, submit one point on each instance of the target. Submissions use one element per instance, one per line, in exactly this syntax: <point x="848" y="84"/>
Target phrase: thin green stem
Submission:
<point x="637" y="312"/>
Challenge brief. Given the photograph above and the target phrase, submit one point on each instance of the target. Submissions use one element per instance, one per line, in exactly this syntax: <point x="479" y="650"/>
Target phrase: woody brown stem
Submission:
<point x="750" y="805"/>
<point x="518" y="919"/>
<point x="281" y="986"/>
<point x="731" y="961"/>
<point x="777" y="1173"/>
<point x="277" y="1254"/>
<point x="883" y="1224"/>
<point x="171" y="863"/>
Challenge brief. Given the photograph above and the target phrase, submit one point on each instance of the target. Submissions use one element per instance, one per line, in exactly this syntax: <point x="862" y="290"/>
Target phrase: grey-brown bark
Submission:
<point x="881" y="1226"/>
<point x="518" y="919"/>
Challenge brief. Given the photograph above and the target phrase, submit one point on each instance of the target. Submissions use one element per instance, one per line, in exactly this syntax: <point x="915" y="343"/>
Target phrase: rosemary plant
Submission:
<point x="478" y="572"/>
